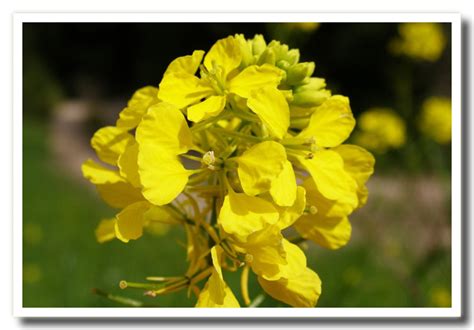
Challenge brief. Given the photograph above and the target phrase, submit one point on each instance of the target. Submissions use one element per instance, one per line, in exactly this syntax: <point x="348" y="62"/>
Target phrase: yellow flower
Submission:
<point x="380" y="129"/>
<point x="138" y="105"/>
<point x="435" y="119"/>
<point x="440" y="297"/>
<point x="424" y="41"/>
<point x="219" y="80"/>
<point x="120" y="185"/>
<point x="162" y="135"/>
<point x="263" y="152"/>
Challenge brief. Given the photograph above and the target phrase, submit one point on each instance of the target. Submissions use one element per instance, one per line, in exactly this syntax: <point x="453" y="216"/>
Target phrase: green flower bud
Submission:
<point x="310" y="98"/>
<point x="245" y="50"/>
<point x="280" y="50"/>
<point x="268" y="56"/>
<point x="282" y="64"/>
<point x="298" y="72"/>
<point x="258" y="45"/>
<point x="293" y="56"/>
<point x="312" y="83"/>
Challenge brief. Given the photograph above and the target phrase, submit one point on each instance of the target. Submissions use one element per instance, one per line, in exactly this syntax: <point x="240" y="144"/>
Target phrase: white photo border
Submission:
<point x="455" y="311"/>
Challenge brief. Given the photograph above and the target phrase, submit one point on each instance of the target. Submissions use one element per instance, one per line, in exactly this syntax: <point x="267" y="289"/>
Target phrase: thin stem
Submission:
<point x="201" y="175"/>
<point x="238" y="135"/>
<point x="206" y="189"/>
<point x="244" y="285"/>
<point x="210" y="231"/>
<point x="135" y="285"/>
<point x="191" y="157"/>
<point x="121" y="300"/>
<point x="207" y="123"/>
<point x="245" y="115"/>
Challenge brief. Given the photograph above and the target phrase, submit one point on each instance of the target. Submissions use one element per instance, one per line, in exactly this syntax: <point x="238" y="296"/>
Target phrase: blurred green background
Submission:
<point x="78" y="76"/>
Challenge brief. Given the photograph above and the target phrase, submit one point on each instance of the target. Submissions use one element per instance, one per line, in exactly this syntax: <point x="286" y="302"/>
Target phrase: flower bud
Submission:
<point x="298" y="72"/>
<point x="268" y="56"/>
<point x="258" y="45"/>
<point x="245" y="50"/>
<point x="282" y="64"/>
<point x="313" y="83"/>
<point x="310" y="98"/>
<point x="293" y="56"/>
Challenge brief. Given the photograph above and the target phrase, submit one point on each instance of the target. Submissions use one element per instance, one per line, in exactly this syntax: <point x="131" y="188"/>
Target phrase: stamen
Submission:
<point x="209" y="160"/>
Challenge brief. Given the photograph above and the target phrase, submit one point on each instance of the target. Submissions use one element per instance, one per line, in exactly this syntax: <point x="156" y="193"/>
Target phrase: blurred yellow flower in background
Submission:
<point x="304" y="26"/>
<point x="422" y="41"/>
<point x="32" y="273"/>
<point x="440" y="297"/>
<point x="435" y="119"/>
<point x="380" y="129"/>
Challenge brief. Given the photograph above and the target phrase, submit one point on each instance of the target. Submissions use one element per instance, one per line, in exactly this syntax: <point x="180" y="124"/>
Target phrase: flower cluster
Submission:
<point x="421" y="41"/>
<point x="380" y="129"/>
<point x="243" y="148"/>
<point x="435" y="119"/>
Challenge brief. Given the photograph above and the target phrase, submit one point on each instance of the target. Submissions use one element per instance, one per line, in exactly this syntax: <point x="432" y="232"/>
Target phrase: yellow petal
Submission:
<point x="129" y="224"/>
<point x="331" y="123"/>
<point x="128" y="166"/>
<point x="260" y="165"/>
<point x="164" y="127"/>
<point x="271" y="256"/>
<point x="288" y="215"/>
<point x="209" y="108"/>
<point x="187" y="64"/>
<point x="359" y="163"/>
<point x="331" y="233"/>
<point x="327" y="170"/>
<point x="105" y="230"/>
<point x="98" y="174"/>
<point x="283" y="187"/>
<point x="339" y="208"/>
<point x="160" y="214"/>
<point x="243" y="215"/>
<point x="120" y="194"/>
<point x="162" y="176"/>
<point x="156" y="228"/>
<point x="217" y="287"/>
<point x="182" y="89"/>
<point x="225" y="53"/>
<point x="302" y="290"/>
<point x="216" y="293"/>
<point x="265" y="251"/>
<point x="271" y="107"/>
<point x="295" y="261"/>
<point x="137" y="106"/>
<point x="110" y="142"/>
<point x="255" y="77"/>
<point x="209" y="298"/>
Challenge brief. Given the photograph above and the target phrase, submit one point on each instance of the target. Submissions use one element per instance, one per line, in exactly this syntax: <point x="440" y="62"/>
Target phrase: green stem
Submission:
<point x="245" y="115"/>
<point x="191" y="157"/>
<point x="122" y="300"/>
<point x="238" y="135"/>
<point x="207" y="123"/>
